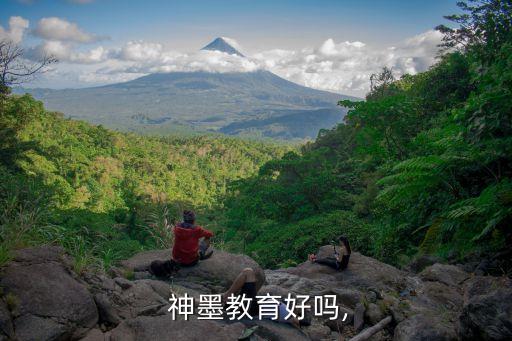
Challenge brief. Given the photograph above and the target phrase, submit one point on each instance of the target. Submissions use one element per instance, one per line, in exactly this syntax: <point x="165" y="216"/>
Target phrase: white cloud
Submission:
<point x="17" y="28"/>
<point x="65" y="52"/>
<point x="58" y="29"/>
<point x="342" y="67"/>
<point x="152" y="57"/>
<point x="140" y="51"/>
<point x="346" y="67"/>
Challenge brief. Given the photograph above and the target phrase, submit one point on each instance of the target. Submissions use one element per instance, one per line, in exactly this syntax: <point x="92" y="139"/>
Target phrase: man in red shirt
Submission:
<point x="188" y="247"/>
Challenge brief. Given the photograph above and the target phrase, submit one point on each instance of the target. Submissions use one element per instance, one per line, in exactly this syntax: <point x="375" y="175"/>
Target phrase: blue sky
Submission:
<point x="258" y="26"/>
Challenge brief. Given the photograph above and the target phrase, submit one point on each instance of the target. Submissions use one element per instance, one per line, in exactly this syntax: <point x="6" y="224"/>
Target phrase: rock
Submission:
<point x="52" y="304"/>
<point x="115" y="272"/>
<point x="31" y="327"/>
<point x="139" y="299"/>
<point x="419" y="263"/>
<point x="371" y="296"/>
<point x="349" y="319"/>
<point x="441" y="295"/>
<point x="347" y="297"/>
<point x="163" y="328"/>
<point x="123" y="283"/>
<point x="481" y="285"/>
<point x="362" y="272"/>
<point x="271" y="330"/>
<point x="95" y="335"/>
<point x="487" y="311"/>
<point x="99" y="282"/>
<point x="448" y="274"/>
<point x="161" y="288"/>
<point x="373" y="313"/>
<point x="107" y="314"/>
<point x="299" y="285"/>
<point x="6" y="327"/>
<point x="220" y="270"/>
<point x="142" y="260"/>
<point x="338" y="324"/>
<point x="41" y="254"/>
<point x="422" y="327"/>
<point x="359" y="317"/>
<point x="318" y="332"/>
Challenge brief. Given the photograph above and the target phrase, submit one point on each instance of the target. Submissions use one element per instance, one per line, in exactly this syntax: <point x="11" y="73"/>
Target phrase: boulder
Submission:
<point x="420" y="262"/>
<point x="96" y="335"/>
<point x="123" y="283"/>
<point x="142" y="260"/>
<point x="424" y="327"/>
<point x="6" y="326"/>
<point x="318" y="332"/>
<point x="362" y="272"/>
<point x="51" y="303"/>
<point x="107" y="314"/>
<point x="162" y="328"/>
<point x="373" y="313"/>
<point x="342" y="322"/>
<point x="272" y="330"/>
<point x="214" y="274"/>
<point x="139" y="299"/>
<point x="487" y="311"/>
<point x="448" y="274"/>
<point x="440" y="295"/>
<point x="299" y="285"/>
<point x="359" y="316"/>
<point x="347" y="297"/>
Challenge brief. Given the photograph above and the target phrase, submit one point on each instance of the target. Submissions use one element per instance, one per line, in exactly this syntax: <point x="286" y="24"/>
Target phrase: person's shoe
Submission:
<point x="203" y="256"/>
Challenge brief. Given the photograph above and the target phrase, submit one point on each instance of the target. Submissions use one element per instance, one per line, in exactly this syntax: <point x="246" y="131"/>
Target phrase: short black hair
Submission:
<point x="189" y="216"/>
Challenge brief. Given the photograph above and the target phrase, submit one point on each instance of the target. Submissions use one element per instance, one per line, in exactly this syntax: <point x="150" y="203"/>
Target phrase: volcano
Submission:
<point x="257" y="103"/>
<point x="221" y="44"/>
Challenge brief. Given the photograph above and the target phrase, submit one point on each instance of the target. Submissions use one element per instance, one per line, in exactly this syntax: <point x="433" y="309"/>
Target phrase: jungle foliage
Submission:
<point x="104" y="195"/>
<point x="423" y="165"/>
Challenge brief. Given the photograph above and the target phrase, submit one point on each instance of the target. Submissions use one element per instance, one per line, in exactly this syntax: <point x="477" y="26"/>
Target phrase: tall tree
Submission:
<point x="15" y="69"/>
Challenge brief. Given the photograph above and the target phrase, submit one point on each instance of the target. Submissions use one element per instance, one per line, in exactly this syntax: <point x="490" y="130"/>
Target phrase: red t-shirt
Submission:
<point x="186" y="243"/>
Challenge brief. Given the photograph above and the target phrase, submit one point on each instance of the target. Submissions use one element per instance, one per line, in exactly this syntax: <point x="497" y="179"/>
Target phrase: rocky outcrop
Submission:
<point x="363" y="272"/>
<point x="165" y="328"/>
<point x="487" y="310"/>
<point x="213" y="274"/>
<point x="424" y="327"/>
<point x="45" y="300"/>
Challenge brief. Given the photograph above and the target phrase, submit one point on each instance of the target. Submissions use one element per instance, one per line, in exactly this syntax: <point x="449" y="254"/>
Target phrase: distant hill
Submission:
<point x="232" y="103"/>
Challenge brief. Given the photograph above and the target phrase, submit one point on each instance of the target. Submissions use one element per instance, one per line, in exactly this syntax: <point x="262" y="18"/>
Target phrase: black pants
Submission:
<point x="333" y="263"/>
<point x="329" y="261"/>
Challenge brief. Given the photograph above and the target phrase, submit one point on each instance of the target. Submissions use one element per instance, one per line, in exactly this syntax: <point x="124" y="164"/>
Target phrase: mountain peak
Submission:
<point x="222" y="44"/>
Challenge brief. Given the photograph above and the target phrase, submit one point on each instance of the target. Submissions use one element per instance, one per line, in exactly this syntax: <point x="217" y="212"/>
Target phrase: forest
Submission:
<point x="105" y="195"/>
<point x="422" y="166"/>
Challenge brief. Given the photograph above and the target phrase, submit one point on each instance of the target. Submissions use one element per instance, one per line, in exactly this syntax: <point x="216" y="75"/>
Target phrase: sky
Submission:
<point x="333" y="45"/>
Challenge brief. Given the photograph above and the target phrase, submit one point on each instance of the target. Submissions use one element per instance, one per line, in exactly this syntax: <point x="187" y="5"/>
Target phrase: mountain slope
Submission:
<point x="201" y="101"/>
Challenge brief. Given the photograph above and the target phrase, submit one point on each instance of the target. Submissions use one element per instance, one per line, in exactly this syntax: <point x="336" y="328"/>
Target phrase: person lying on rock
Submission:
<point x="245" y="283"/>
<point x="191" y="241"/>
<point x="336" y="262"/>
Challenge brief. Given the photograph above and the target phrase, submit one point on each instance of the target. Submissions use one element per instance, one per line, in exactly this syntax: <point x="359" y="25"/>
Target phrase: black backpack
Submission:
<point x="163" y="269"/>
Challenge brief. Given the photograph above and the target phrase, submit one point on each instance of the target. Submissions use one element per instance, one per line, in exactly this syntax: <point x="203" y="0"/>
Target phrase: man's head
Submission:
<point x="189" y="217"/>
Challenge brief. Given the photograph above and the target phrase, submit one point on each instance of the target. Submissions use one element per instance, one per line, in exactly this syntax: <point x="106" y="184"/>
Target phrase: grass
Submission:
<point x="5" y="254"/>
<point x="12" y="302"/>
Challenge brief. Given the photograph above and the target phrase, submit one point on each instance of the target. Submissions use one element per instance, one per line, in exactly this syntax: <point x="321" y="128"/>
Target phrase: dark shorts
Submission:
<point x="249" y="289"/>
